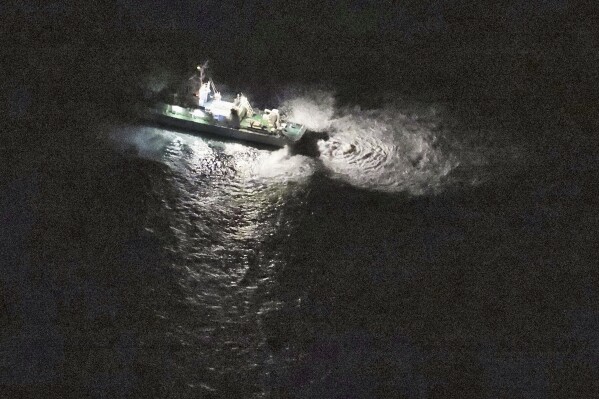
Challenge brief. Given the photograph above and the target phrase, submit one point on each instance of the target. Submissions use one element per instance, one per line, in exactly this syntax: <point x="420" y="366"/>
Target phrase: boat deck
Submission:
<point x="256" y="124"/>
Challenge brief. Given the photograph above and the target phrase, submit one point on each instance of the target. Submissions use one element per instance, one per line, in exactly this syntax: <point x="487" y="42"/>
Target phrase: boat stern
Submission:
<point x="293" y="131"/>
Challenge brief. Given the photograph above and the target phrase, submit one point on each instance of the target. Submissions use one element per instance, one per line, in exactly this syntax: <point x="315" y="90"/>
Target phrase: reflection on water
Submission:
<point x="312" y="277"/>
<point x="224" y="202"/>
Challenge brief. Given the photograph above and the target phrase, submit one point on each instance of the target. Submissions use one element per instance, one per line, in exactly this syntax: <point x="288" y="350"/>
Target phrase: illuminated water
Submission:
<point x="415" y="257"/>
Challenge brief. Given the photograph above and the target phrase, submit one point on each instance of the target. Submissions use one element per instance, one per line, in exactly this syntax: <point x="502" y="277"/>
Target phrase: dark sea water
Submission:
<point x="427" y="252"/>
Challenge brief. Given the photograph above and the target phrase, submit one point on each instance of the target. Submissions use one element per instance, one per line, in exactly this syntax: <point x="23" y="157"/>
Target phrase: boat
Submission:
<point x="256" y="128"/>
<point x="207" y="112"/>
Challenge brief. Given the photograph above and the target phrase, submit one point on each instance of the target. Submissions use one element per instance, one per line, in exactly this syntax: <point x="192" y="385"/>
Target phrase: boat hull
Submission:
<point x="273" y="140"/>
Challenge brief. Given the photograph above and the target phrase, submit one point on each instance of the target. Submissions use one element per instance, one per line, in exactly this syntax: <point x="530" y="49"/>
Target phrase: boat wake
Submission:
<point x="395" y="148"/>
<point x="388" y="150"/>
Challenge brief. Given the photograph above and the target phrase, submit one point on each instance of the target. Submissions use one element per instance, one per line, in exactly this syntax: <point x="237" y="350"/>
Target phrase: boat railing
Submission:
<point x="213" y="87"/>
<point x="246" y="103"/>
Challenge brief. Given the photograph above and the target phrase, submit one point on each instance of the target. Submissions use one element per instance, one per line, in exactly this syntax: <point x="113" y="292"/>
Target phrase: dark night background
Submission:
<point x="534" y="53"/>
<point x="486" y="290"/>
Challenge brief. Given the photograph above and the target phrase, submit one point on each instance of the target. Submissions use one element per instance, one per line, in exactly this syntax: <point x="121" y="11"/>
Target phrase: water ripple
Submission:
<point x="388" y="150"/>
